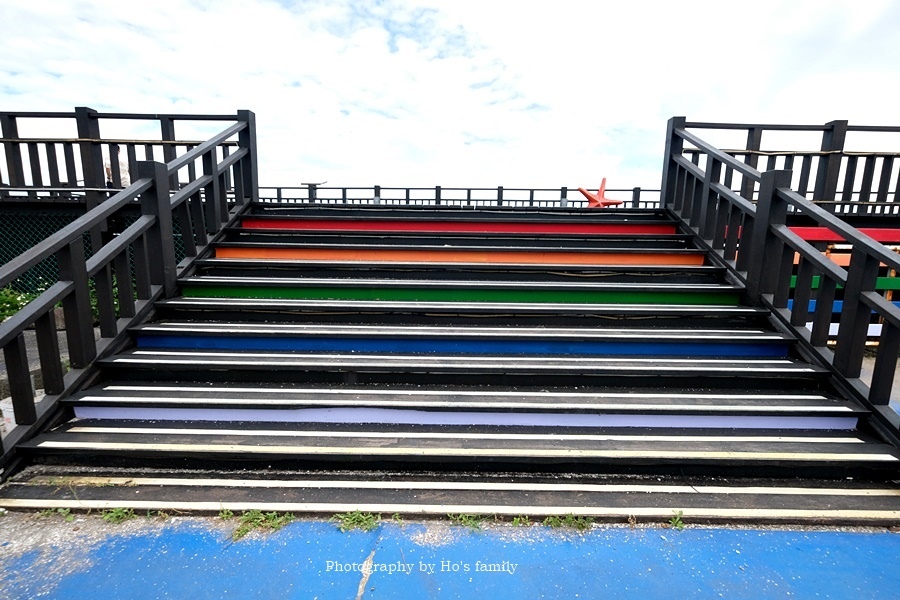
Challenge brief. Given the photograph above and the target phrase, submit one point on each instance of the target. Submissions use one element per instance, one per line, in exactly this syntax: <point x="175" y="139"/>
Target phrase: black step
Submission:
<point x="606" y="498"/>
<point x="483" y="445"/>
<point x="461" y="240"/>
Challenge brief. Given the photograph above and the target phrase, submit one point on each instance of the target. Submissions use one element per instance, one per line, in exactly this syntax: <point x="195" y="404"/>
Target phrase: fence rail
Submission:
<point x="825" y="169"/>
<point x="87" y="166"/>
<point x="781" y="270"/>
<point x="127" y="270"/>
<point x="480" y="197"/>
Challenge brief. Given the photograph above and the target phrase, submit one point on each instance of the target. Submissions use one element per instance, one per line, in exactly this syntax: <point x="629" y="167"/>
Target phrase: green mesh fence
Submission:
<point x="21" y="231"/>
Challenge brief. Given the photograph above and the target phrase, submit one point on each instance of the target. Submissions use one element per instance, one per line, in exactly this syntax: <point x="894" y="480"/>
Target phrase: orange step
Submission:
<point x="462" y="256"/>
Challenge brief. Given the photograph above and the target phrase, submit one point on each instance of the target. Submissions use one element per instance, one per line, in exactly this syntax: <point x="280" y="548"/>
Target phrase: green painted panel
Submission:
<point x="465" y="295"/>
<point x="883" y="283"/>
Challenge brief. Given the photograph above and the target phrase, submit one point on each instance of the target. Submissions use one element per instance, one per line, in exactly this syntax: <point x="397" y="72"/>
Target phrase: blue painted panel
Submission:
<point x="464" y="346"/>
<point x="838" y="305"/>
<point x="315" y="560"/>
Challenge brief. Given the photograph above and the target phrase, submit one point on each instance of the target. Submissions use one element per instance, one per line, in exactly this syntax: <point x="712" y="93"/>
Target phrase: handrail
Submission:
<point x="748" y="234"/>
<point x="127" y="270"/>
<point x="203" y="148"/>
<point x="130" y="116"/>
<point x="849" y="233"/>
<point x="720" y="155"/>
<point x="22" y="140"/>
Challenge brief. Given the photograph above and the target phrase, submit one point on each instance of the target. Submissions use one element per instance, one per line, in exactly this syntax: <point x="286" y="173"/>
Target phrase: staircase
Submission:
<point x="435" y="360"/>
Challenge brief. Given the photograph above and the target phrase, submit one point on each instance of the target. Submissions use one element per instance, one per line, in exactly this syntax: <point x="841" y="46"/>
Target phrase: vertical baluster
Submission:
<point x="802" y="293"/>
<point x="124" y="284"/>
<point x="211" y="193"/>
<point x="19" y="377"/>
<point x="142" y="283"/>
<point x="884" y="183"/>
<point x="854" y="325"/>
<point x="885" y="365"/>
<point x="77" y="305"/>
<point x="48" y="351"/>
<point x="865" y="188"/>
<point x="824" y="310"/>
<point x="849" y="179"/>
<point x="53" y="167"/>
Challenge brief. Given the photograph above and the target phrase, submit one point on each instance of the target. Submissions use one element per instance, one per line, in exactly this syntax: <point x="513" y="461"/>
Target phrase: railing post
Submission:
<point x="160" y="237"/>
<point x="167" y="129"/>
<point x="754" y="141"/>
<point x="247" y="139"/>
<point x="862" y="275"/>
<point x="674" y="147"/>
<point x="10" y="131"/>
<point x="500" y="195"/>
<point x="833" y="139"/>
<point x="91" y="165"/>
<point x="91" y="154"/>
<point x="437" y="195"/>
<point x="563" y="200"/>
<point x="764" y="246"/>
<point x="636" y="197"/>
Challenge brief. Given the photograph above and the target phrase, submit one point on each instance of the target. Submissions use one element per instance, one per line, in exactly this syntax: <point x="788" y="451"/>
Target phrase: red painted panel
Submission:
<point x="884" y="235"/>
<point x="461" y="256"/>
<point x="460" y="226"/>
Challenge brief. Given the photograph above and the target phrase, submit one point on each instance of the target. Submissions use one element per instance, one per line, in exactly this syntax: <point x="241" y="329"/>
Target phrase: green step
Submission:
<point x="416" y="294"/>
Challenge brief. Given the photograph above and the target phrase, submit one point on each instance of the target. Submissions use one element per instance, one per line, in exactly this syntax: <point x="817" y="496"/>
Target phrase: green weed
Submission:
<point x="118" y="515"/>
<point x="65" y="513"/>
<point x="473" y="522"/>
<point x="256" y="519"/>
<point x="675" y="522"/>
<point x="356" y="520"/>
<point x="569" y="521"/>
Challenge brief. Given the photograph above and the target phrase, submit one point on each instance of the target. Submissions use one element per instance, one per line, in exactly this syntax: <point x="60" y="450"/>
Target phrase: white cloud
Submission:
<point x="458" y="93"/>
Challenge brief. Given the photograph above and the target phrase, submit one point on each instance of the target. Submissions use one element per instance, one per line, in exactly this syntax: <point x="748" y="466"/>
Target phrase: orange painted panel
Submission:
<point x="842" y="259"/>
<point x="462" y="256"/>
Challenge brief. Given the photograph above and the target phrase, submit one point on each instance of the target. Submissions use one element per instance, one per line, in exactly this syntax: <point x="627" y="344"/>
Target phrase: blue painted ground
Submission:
<point x="192" y="560"/>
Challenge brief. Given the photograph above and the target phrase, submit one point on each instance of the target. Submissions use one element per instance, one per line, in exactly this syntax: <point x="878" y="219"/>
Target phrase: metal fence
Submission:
<point x="463" y="197"/>
<point x="48" y="181"/>
<point x="754" y="242"/>
<point x="125" y="274"/>
<point x="849" y="170"/>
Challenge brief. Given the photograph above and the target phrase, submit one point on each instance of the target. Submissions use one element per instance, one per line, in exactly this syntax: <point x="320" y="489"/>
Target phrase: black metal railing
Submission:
<point x="474" y="197"/>
<point x="827" y="163"/>
<point x="84" y="168"/>
<point x="128" y="270"/>
<point x="784" y="272"/>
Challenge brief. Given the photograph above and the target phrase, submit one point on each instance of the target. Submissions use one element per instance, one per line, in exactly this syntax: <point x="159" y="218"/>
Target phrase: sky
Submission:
<point x="458" y="92"/>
